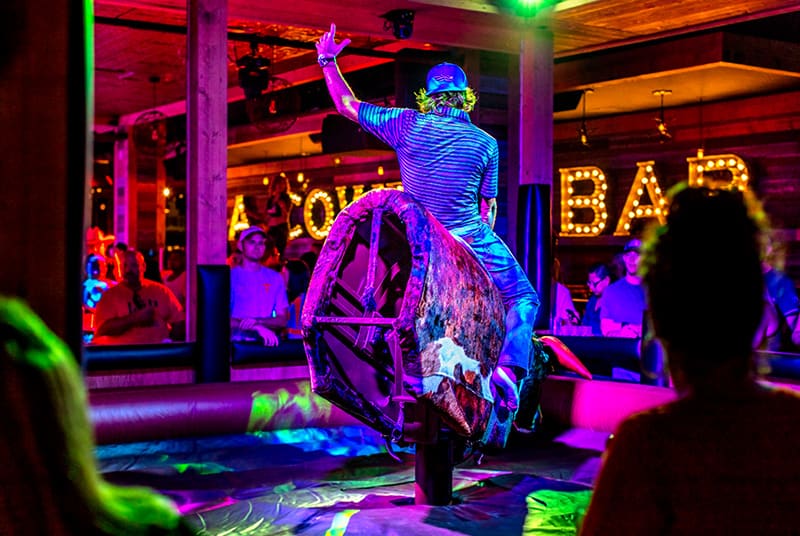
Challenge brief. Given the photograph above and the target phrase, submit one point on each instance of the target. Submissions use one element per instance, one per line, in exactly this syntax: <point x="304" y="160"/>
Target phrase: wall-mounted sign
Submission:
<point x="320" y="207"/>
<point x="583" y="198"/>
<point x="584" y="189"/>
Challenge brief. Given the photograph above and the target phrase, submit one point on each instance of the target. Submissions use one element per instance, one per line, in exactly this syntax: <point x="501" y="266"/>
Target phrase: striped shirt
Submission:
<point x="446" y="162"/>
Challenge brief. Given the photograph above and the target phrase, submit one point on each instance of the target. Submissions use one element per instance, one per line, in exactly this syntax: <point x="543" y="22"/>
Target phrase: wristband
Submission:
<point x="325" y="60"/>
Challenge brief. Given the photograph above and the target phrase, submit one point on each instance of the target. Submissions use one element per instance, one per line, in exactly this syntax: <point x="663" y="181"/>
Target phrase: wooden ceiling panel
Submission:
<point x="126" y="58"/>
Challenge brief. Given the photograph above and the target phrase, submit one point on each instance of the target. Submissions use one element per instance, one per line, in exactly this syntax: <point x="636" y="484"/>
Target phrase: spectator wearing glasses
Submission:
<point x="622" y="305"/>
<point x="599" y="278"/>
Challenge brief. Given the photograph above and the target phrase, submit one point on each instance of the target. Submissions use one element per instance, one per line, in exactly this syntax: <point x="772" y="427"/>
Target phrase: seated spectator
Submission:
<point x="274" y="260"/>
<point x="782" y="296"/>
<point x="92" y="289"/>
<point x="599" y="278"/>
<point x="137" y="310"/>
<point x="50" y="480"/>
<point x="564" y="312"/>
<point x="770" y="324"/>
<point x="112" y="253"/>
<point x="152" y="268"/>
<point x="299" y="277"/>
<point x="95" y="283"/>
<point x="175" y="276"/>
<point x="97" y="242"/>
<point x="310" y="257"/>
<point x="722" y="459"/>
<point x="259" y="302"/>
<point x="622" y="304"/>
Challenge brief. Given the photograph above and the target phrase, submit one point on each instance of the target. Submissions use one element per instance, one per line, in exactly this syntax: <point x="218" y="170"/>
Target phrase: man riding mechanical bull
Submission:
<point x="450" y="167"/>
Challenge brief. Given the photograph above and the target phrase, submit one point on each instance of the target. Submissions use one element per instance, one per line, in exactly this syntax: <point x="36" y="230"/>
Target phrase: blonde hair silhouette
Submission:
<point x="50" y="479"/>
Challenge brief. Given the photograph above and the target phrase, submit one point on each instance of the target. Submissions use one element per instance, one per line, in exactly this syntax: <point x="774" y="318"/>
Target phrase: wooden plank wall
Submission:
<point x="762" y="130"/>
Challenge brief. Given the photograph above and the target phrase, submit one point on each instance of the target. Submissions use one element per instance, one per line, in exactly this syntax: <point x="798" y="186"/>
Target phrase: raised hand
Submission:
<point x="327" y="46"/>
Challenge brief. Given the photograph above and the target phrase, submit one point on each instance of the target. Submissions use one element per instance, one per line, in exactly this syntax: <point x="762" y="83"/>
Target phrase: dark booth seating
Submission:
<point x="174" y="411"/>
<point x="602" y="354"/>
<point x="287" y="352"/>
<point x="106" y="358"/>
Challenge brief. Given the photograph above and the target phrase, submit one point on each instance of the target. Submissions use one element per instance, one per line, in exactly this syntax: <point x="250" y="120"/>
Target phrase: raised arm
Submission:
<point x="343" y="98"/>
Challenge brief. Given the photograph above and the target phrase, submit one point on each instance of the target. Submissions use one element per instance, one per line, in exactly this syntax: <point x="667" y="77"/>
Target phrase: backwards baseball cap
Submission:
<point x="445" y="77"/>
<point x="633" y="245"/>
<point x="250" y="231"/>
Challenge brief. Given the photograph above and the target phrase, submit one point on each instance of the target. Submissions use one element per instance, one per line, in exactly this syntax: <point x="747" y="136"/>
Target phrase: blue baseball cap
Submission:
<point x="445" y="77"/>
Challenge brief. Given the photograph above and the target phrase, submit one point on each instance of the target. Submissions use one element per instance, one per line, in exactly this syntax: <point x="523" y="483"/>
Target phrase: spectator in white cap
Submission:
<point x="622" y="305"/>
<point x="259" y="304"/>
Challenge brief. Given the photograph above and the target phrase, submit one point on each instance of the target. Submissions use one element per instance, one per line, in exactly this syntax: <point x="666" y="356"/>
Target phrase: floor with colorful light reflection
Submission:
<point x="343" y="482"/>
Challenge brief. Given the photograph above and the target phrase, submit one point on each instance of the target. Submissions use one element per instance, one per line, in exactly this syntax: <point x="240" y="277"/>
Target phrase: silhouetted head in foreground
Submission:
<point x="49" y="476"/>
<point x="702" y="274"/>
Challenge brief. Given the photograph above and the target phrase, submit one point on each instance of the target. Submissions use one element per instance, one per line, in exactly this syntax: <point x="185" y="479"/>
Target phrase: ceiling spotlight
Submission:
<point x="400" y="22"/>
<point x="661" y="125"/>
<point x="583" y="133"/>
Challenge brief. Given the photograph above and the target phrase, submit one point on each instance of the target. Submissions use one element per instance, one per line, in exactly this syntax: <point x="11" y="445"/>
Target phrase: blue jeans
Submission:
<point x="520" y="299"/>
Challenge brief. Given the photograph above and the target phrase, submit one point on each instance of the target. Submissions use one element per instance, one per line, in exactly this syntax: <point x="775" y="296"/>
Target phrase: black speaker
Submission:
<point x="534" y="245"/>
<point x="213" y="323"/>
<point x="340" y="135"/>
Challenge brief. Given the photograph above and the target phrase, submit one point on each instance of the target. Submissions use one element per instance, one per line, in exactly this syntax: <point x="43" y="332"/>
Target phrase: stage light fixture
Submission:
<point x="400" y="22"/>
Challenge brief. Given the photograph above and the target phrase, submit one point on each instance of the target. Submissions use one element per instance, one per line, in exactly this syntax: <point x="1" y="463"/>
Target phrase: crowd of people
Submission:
<point x="616" y="305"/>
<point x="122" y="305"/>
<point x="127" y="301"/>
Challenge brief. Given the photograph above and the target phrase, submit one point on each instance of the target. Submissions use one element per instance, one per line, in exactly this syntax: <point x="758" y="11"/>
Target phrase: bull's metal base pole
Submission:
<point x="433" y="472"/>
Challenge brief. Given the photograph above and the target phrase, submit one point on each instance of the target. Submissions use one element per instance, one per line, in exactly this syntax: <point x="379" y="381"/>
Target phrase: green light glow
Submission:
<point x="287" y="408"/>
<point x="340" y="522"/>
<point x="526" y="8"/>
<point x="202" y="468"/>
<point x="88" y="28"/>
<point x="555" y="512"/>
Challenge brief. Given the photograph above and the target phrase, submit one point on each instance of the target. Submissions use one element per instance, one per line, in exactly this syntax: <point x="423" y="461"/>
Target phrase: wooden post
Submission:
<point x="535" y="158"/>
<point x="536" y="103"/>
<point x="206" y="160"/>
<point x="124" y="211"/>
<point x="44" y="118"/>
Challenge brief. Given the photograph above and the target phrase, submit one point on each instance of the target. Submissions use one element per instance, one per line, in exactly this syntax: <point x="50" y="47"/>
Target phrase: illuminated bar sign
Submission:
<point x="583" y="195"/>
<point x="319" y="210"/>
<point x="584" y="188"/>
